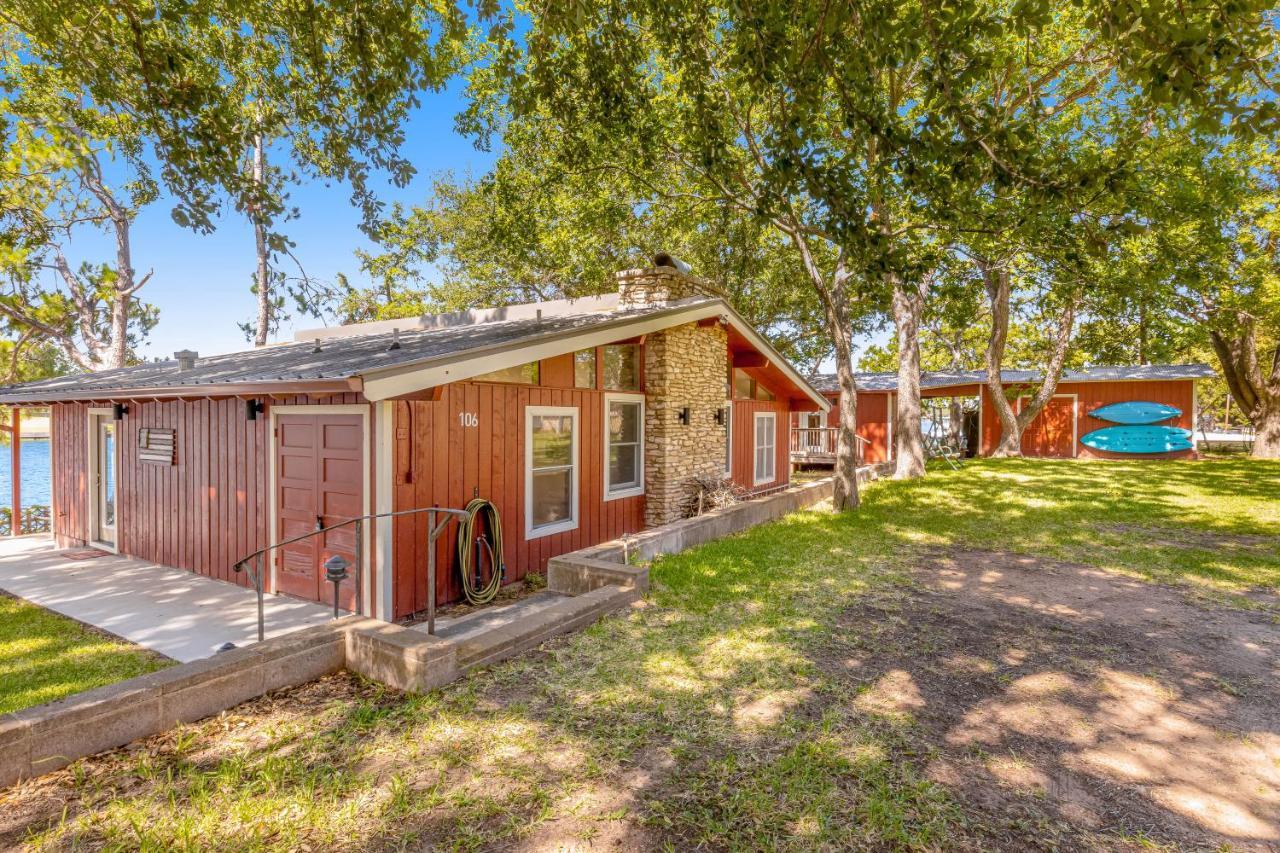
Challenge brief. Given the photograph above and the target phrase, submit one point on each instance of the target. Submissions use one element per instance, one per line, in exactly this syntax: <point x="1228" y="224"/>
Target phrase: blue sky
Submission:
<point x="201" y="282"/>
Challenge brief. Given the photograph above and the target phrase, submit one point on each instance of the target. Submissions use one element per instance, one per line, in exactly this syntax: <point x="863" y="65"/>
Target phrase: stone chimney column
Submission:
<point x="685" y="370"/>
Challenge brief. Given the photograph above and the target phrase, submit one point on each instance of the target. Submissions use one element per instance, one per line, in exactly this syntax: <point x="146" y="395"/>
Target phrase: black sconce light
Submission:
<point x="683" y="416"/>
<point x="720" y="416"/>
<point x="118" y="411"/>
<point x="252" y="408"/>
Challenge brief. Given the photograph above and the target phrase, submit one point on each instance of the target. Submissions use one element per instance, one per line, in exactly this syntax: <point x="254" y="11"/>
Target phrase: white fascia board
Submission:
<point x="758" y="341"/>
<point x="409" y="379"/>
<point x="396" y="382"/>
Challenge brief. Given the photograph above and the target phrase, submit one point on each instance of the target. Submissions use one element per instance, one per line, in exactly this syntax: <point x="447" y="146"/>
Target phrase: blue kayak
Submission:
<point x="1136" y="412"/>
<point x="1139" y="439"/>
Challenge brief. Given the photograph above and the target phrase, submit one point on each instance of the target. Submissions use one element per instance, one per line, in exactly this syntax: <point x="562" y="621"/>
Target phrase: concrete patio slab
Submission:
<point x="174" y="612"/>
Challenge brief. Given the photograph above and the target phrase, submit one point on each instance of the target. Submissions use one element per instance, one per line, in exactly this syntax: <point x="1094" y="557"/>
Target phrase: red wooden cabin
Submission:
<point x="1055" y="432"/>
<point x="582" y="420"/>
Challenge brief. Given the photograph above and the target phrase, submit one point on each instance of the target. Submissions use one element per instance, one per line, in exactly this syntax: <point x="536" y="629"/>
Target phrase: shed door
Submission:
<point x="1052" y="432"/>
<point x="319" y="482"/>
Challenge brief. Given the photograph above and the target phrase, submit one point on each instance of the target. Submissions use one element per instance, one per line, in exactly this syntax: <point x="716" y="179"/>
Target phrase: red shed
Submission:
<point x="581" y="420"/>
<point x="1056" y="432"/>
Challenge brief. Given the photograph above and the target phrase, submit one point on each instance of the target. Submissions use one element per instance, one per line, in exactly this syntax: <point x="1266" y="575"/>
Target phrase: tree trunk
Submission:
<point x="955" y="426"/>
<point x="1012" y="426"/>
<point x="996" y="280"/>
<point x="847" y="452"/>
<point x="262" y="276"/>
<point x="123" y="293"/>
<point x="838" y="307"/>
<point x="1255" y="392"/>
<point x="908" y="304"/>
<point x="1266" y="431"/>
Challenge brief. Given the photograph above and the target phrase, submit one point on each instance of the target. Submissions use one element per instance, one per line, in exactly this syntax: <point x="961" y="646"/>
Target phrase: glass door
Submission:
<point x="105" y="476"/>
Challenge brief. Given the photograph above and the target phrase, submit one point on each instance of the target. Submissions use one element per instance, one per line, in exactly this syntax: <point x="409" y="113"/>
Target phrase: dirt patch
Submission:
<point x="1202" y="540"/>
<point x="1064" y="705"/>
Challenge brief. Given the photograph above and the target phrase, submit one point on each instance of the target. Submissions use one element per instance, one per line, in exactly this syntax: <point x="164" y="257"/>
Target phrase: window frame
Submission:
<point x="728" y="438"/>
<point x="611" y="494"/>
<point x="756" y="480"/>
<point x="571" y="523"/>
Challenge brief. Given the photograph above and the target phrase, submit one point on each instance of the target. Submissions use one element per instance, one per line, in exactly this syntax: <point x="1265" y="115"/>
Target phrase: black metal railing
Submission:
<point x="253" y="564"/>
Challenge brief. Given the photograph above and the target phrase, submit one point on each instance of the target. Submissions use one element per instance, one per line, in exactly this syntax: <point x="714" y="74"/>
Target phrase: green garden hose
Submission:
<point x="471" y="588"/>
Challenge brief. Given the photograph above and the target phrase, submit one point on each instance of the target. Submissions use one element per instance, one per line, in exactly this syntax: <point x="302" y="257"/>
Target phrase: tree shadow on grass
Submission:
<point x="1090" y="706"/>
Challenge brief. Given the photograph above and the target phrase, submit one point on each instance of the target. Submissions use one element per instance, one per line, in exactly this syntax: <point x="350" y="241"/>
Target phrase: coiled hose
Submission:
<point x="471" y="588"/>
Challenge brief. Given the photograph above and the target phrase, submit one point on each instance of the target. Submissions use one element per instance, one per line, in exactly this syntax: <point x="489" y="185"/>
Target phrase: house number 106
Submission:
<point x="468" y="419"/>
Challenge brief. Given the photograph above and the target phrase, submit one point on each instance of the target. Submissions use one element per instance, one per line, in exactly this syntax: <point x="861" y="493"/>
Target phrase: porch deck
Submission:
<point x="174" y="612"/>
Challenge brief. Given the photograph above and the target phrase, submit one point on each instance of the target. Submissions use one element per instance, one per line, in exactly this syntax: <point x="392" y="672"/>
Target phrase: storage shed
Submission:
<point x="1061" y="430"/>
<point x="581" y="420"/>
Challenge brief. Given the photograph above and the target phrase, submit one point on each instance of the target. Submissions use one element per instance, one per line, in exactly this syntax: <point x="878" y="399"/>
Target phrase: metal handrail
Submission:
<point x="256" y="574"/>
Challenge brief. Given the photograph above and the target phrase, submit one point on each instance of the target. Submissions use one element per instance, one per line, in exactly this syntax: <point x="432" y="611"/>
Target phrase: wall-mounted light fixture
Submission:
<point x="252" y="408"/>
<point x="683" y="416"/>
<point x="118" y="411"/>
<point x="720" y="416"/>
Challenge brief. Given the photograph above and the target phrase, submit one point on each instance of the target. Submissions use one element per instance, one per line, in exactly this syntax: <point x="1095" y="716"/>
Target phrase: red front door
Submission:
<point x="1052" y="432"/>
<point x="319" y="482"/>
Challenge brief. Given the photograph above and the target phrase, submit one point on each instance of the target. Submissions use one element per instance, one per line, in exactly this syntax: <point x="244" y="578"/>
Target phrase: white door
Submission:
<point x="104" y="479"/>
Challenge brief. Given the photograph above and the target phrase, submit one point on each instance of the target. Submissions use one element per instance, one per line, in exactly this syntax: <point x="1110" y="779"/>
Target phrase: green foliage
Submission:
<point x="535" y="228"/>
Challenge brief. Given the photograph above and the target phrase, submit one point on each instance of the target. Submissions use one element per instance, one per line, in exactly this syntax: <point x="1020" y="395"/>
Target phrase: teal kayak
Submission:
<point x="1136" y="412"/>
<point x="1139" y="439"/>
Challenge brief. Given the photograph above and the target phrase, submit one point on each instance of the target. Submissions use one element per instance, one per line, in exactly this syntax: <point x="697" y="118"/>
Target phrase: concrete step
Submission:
<point x="537" y="625"/>
<point x="487" y="618"/>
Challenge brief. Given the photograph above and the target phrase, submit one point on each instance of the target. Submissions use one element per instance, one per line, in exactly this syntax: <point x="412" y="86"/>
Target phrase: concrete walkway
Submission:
<point x="179" y="614"/>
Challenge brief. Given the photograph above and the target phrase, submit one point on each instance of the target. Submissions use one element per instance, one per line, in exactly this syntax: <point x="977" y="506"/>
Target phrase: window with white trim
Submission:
<point x="766" y="428"/>
<point x="623" y="446"/>
<point x="551" y="470"/>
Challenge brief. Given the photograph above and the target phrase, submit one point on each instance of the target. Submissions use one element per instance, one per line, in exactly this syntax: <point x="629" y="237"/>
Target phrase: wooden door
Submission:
<point x="1052" y="432"/>
<point x="319" y="482"/>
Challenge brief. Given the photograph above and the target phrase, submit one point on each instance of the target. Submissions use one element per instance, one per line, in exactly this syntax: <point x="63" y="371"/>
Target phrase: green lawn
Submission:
<point x="713" y="715"/>
<point x="44" y="656"/>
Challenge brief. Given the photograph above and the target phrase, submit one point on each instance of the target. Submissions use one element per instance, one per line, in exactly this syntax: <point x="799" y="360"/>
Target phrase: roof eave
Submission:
<point x="209" y="389"/>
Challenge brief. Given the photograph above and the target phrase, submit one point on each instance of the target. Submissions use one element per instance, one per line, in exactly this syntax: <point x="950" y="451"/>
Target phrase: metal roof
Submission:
<point x="888" y="381"/>
<point x="308" y="361"/>
<point x="335" y="364"/>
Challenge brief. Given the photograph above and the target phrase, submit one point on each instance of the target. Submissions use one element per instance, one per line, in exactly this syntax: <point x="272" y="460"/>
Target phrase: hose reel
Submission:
<point x="471" y="547"/>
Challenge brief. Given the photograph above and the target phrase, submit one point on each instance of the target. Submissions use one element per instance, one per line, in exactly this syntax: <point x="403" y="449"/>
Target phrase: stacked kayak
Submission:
<point x="1140" y="430"/>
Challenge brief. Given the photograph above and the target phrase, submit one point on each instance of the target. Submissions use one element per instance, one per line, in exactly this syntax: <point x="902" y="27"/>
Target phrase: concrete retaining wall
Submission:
<point x="44" y="738"/>
<point x="691" y="532"/>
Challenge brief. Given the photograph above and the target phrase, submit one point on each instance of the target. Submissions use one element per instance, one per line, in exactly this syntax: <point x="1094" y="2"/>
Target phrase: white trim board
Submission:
<point x="361" y="409"/>
<point x="412" y="378"/>
<point x="633" y="491"/>
<point x="91" y="435"/>
<point x="575" y="514"/>
<point x="755" y="448"/>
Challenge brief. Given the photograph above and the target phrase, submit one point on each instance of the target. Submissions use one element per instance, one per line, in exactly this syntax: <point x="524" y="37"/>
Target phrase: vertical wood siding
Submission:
<point x="439" y="461"/>
<point x="204" y="512"/>
<point x="1094" y="395"/>
<point x="744" y="443"/>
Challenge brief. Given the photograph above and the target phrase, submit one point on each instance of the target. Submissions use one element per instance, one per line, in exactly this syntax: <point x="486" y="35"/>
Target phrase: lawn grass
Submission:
<point x="44" y="656"/>
<point x="715" y="715"/>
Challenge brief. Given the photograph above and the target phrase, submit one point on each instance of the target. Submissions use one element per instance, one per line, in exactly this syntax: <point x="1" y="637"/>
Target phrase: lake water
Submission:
<point x="35" y="472"/>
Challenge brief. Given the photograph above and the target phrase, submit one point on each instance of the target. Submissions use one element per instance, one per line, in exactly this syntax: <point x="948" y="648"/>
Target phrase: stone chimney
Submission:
<point x="667" y="280"/>
<point x="685" y="369"/>
<point x="186" y="358"/>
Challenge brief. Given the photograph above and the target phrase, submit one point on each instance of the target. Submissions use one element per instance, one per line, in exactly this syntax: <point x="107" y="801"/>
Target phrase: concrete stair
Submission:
<point x="502" y="635"/>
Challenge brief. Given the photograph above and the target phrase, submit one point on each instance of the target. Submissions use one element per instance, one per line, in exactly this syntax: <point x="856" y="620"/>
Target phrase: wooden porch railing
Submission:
<point x="819" y="443"/>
